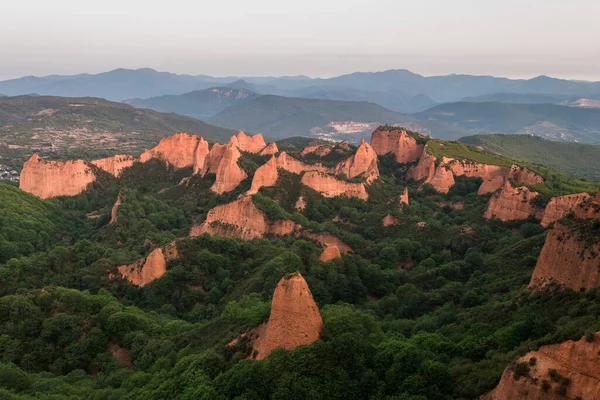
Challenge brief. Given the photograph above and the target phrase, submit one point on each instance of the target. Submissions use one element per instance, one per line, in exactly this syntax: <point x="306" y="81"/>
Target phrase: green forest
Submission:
<point x="434" y="307"/>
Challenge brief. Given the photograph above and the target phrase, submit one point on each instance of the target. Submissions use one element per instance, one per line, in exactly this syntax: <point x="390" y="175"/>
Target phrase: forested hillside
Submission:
<point x="431" y="301"/>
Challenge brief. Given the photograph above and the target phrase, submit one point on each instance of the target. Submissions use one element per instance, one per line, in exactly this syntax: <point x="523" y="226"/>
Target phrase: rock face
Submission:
<point x="576" y="361"/>
<point x="389" y="220"/>
<point x="405" y="147"/>
<point x="320" y="149"/>
<point x="47" y="179"/>
<point x="180" y="150"/>
<point x="271" y="149"/>
<point x="229" y="173"/>
<point x="513" y="204"/>
<point x="362" y="163"/>
<point x="558" y="207"/>
<point x="494" y="176"/>
<point x="404" y="198"/>
<point x="265" y="175"/>
<point x="241" y="219"/>
<point x="116" y="164"/>
<point x="330" y="186"/>
<point x="297" y="167"/>
<point x="251" y="144"/>
<point x="330" y="253"/>
<point x="154" y="266"/>
<point x="115" y="209"/>
<point x="295" y="319"/>
<point x="567" y="260"/>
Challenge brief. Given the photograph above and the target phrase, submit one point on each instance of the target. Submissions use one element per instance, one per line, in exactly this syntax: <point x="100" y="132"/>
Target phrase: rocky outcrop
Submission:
<point x="251" y="144"/>
<point x="271" y="149"/>
<point x="442" y="180"/>
<point x="229" y="174"/>
<point x="297" y="167"/>
<point x="295" y="319"/>
<point x="566" y="259"/>
<point x="115" y="209"/>
<point x="425" y="169"/>
<point x="144" y="271"/>
<point x="362" y="163"/>
<point x="241" y="219"/>
<point x="47" y="179"/>
<point x="116" y="164"/>
<point x="491" y="185"/>
<point x="265" y="175"/>
<point x="404" y="198"/>
<point x="330" y="253"/>
<point x="330" y="186"/>
<point x="513" y="204"/>
<point x="300" y="204"/>
<point x="389" y="220"/>
<point x="180" y="150"/>
<point x="333" y="246"/>
<point x="574" y="362"/>
<point x="558" y="207"/>
<point x="524" y="175"/>
<point x="319" y="149"/>
<point x="405" y="147"/>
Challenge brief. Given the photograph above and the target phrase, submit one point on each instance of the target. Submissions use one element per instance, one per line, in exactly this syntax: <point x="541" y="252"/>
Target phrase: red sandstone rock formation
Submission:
<point x="180" y="150"/>
<point x="320" y="149"/>
<point x="294" y="321"/>
<point x="229" y="173"/>
<point x="576" y="361"/>
<point x="567" y="260"/>
<point x="512" y="204"/>
<point x="241" y="219"/>
<point x="524" y="175"/>
<point x="265" y="175"/>
<point x="47" y="179"/>
<point x="154" y="266"/>
<point x="300" y="204"/>
<point x="333" y="246"/>
<point x="116" y="164"/>
<point x="425" y="169"/>
<point x="389" y="220"/>
<point x="330" y="253"/>
<point x="405" y="147"/>
<point x="491" y="185"/>
<point x="442" y="180"/>
<point x="362" y="163"/>
<point x="211" y="163"/>
<point x="298" y="167"/>
<point x="251" y="144"/>
<point x="330" y="186"/>
<point x="404" y="198"/>
<point x="344" y="145"/>
<point x="271" y="149"/>
<point x="115" y="209"/>
<point x="558" y="207"/>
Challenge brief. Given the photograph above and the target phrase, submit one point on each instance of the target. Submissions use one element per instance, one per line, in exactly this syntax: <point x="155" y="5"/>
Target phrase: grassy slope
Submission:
<point x="576" y="159"/>
<point x="281" y="117"/>
<point x="86" y="127"/>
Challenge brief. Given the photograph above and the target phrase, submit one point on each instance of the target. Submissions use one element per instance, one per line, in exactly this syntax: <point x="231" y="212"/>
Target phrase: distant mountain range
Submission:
<point x="397" y="90"/>
<point x="201" y="104"/>
<point x="550" y="121"/>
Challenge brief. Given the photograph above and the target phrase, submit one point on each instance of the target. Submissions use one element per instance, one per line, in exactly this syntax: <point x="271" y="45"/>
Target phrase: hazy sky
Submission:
<point x="515" y="38"/>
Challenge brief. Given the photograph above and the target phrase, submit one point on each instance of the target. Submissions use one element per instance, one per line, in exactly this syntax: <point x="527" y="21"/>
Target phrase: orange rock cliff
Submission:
<point x="229" y="173"/>
<point x="576" y="361"/>
<point x="251" y="144"/>
<point x="115" y="209"/>
<point x="362" y="163"/>
<point x="47" y="179"/>
<point x="405" y="147"/>
<point x="330" y="186"/>
<point x="558" y="207"/>
<point x="154" y="266"/>
<point x="116" y="164"/>
<point x="241" y="219"/>
<point x="513" y="204"/>
<point x="180" y="150"/>
<point x="295" y="319"/>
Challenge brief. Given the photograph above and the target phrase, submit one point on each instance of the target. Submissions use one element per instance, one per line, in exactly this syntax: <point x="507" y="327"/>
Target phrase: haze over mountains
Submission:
<point x="398" y="90"/>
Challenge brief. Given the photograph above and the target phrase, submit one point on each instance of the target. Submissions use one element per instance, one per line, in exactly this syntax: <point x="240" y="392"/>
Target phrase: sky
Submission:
<point x="518" y="39"/>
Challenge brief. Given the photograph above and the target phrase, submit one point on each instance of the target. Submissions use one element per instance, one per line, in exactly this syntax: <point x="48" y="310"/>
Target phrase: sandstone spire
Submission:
<point x="144" y="271"/>
<point x="251" y="144"/>
<point x="295" y="318"/>
<point x="512" y="204"/>
<point x="271" y="149"/>
<point x="180" y="150"/>
<point x="265" y="175"/>
<point x="362" y="163"/>
<point x="229" y="173"/>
